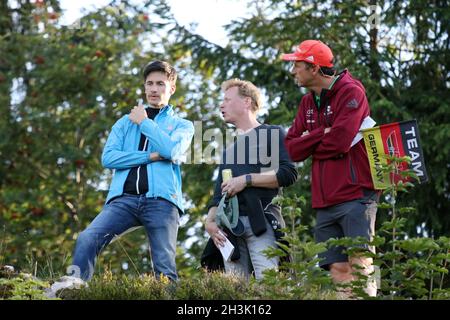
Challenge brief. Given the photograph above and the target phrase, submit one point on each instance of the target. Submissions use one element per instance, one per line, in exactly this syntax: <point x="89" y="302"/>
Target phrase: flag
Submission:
<point x="395" y="139"/>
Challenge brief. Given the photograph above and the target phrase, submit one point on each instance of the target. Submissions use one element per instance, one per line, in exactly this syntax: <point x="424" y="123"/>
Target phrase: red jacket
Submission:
<point x="339" y="173"/>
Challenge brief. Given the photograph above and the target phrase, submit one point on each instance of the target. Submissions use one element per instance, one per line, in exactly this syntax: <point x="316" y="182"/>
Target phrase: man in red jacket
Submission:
<point x="328" y="119"/>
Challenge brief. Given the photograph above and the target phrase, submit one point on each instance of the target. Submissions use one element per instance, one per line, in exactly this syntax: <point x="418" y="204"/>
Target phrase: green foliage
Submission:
<point x="22" y="287"/>
<point x="69" y="87"/>
<point x="299" y="277"/>
<point x="216" y="286"/>
<point x="411" y="267"/>
<point x="109" y="287"/>
<point x="61" y="90"/>
<point x="204" y="286"/>
<point x="401" y="56"/>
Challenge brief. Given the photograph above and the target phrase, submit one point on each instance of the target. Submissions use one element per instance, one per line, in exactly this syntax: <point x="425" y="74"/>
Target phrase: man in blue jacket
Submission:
<point x="145" y="149"/>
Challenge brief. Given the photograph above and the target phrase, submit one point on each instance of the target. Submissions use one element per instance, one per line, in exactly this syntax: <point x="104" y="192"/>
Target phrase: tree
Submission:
<point x="62" y="88"/>
<point x="400" y="51"/>
<point x="68" y="86"/>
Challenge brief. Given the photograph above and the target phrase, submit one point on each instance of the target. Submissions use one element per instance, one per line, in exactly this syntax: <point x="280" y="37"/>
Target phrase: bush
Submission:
<point x="21" y="286"/>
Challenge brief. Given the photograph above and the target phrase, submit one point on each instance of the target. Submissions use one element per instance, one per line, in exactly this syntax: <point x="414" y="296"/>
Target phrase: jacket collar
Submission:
<point x="344" y="78"/>
<point x="168" y="109"/>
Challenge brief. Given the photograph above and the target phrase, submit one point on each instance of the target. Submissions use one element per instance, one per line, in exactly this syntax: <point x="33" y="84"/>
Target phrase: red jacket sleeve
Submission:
<point x="351" y="110"/>
<point x="298" y="147"/>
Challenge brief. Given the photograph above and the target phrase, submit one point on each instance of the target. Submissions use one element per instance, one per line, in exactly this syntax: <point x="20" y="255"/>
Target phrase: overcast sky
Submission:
<point x="210" y="15"/>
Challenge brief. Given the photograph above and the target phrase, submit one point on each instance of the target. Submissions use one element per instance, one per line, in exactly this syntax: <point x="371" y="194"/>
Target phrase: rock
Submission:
<point x="7" y="271"/>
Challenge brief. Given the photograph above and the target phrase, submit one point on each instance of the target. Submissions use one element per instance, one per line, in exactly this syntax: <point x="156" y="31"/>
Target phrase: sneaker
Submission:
<point x="66" y="282"/>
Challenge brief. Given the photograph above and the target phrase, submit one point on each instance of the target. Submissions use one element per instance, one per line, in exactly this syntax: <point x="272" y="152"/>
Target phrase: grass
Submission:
<point x="205" y="286"/>
<point x="201" y="286"/>
<point x="21" y="286"/>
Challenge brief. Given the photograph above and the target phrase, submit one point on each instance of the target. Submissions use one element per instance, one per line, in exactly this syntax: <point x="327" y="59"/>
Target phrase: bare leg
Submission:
<point x="366" y="268"/>
<point x="343" y="273"/>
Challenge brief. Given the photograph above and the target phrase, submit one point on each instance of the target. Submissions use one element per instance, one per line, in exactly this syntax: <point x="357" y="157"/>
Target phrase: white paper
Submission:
<point x="227" y="250"/>
<point x="367" y="123"/>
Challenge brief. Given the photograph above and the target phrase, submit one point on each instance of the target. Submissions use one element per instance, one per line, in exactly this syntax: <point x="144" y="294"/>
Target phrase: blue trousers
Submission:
<point x="160" y="219"/>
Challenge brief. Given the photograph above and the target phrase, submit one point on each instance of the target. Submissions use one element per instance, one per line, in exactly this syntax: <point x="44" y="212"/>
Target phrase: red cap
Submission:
<point x="312" y="51"/>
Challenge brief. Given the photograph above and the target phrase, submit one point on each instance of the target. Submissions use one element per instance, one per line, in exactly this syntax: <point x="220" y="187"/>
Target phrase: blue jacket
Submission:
<point x="168" y="134"/>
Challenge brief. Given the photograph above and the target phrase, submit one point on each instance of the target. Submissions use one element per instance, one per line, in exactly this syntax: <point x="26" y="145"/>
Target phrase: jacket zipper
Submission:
<point x="352" y="170"/>
<point x="139" y="168"/>
<point x="320" y="161"/>
<point x="318" y="114"/>
<point x="151" y="170"/>
<point x="321" y="185"/>
<point x="137" y="180"/>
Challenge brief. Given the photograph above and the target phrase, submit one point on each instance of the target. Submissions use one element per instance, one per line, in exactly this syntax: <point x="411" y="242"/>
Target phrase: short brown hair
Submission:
<point x="245" y="89"/>
<point x="161" y="66"/>
<point x="327" y="71"/>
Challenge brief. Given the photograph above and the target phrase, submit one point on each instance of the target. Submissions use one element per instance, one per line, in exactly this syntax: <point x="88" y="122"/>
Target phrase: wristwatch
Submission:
<point x="248" y="180"/>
